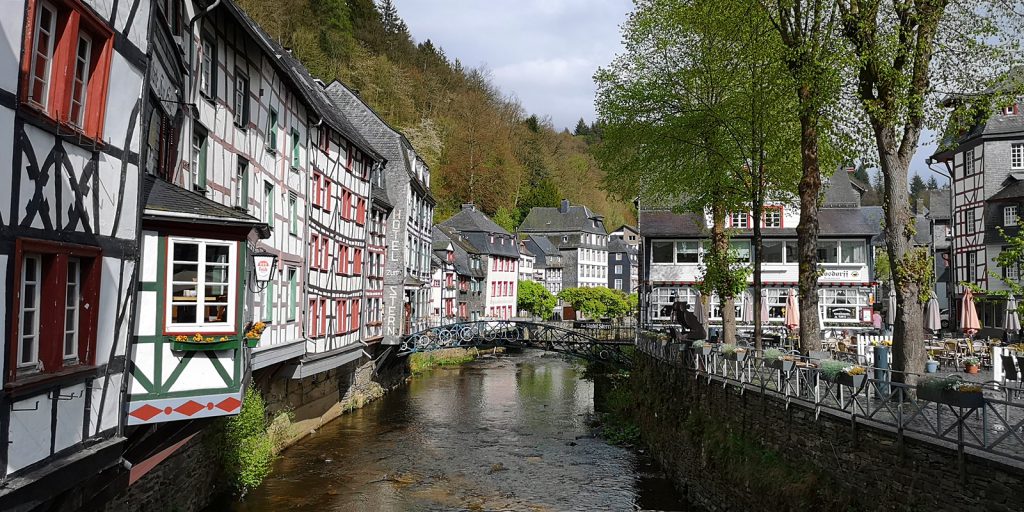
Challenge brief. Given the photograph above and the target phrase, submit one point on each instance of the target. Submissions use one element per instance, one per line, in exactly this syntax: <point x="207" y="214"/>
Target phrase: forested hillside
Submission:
<point x="480" y="144"/>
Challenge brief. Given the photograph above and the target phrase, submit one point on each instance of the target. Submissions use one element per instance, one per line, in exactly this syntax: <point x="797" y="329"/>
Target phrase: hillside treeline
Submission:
<point x="480" y="144"/>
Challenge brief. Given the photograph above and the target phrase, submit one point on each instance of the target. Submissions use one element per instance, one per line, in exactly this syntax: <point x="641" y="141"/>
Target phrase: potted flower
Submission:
<point x="971" y="364"/>
<point x="199" y="342"/>
<point x="732" y="352"/>
<point x="840" y="372"/>
<point x="702" y="347"/>
<point x="779" y="360"/>
<point x="952" y="391"/>
<point x="931" y="366"/>
<point x="253" y="334"/>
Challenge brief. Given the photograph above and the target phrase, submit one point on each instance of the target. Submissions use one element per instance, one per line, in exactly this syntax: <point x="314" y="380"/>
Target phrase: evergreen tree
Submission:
<point x="917" y="187"/>
<point x="933" y="184"/>
<point x="581" y="128"/>
<point x="861" y="174"/>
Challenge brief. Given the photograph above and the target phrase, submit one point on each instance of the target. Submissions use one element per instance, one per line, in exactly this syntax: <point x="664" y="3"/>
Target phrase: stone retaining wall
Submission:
<point x="732" y="451"/>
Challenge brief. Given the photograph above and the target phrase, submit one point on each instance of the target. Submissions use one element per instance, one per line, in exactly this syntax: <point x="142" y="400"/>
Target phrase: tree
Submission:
<point x="581" y="128"/>
<point x="917" y="187"/>
<point x="536" y="299"/>
<point x="902" y="49"/>
<point x="507" y="218"/>
<point x="933" y="184"/>
<point x="596" y="302"/>
<point x="808" y="29"/>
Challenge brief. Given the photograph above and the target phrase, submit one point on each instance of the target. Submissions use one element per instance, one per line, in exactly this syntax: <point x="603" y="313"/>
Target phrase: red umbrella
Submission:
<point x="969" y="314"/>
<point x="792" y="311"/>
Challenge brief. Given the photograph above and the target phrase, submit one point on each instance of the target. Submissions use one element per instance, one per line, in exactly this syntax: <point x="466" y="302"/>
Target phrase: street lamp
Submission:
<point x="263" y="265"/>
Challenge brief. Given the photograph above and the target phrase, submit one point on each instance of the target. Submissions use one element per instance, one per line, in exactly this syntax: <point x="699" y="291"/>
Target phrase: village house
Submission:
<point x="443" y="282"/>
<point x="498" y="253"/>
<point x="628" y="234"/>
<point x="579" y="235"/>
<point x="376" y="253"/>
<point x="548" y="262"/>
<point x="623" y="266"/>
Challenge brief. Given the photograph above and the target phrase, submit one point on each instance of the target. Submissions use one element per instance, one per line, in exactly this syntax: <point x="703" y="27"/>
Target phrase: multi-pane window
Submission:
<point x="969" y="220"/>
<point x="969" y="162"/>
<point x="1010" y="215"/>
<point x="54" y="276"/>
<point x="240" y="104"/>
<point x="972" y="266"/>
<point x="1011" y="271"/>
<point x="1017" y="155"/>
<point x="773" y="217"/>
<point x="208" y="68"/>
<point x="199" y="151"/>
<point x="662" y="299"/>
<point x="842" y="305"/>
<point x="739" y="220"/>
<point x="618" y="269"/>
<point x="68" y="65"/>
<point x="201" y="294"/>
<point x="272" y="130"/>
<point x="241" y="193"/>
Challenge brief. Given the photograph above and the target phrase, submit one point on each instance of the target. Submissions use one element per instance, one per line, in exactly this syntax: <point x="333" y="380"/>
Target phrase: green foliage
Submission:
<point x="596" y="302"/>
<point x="536" y="299"/>
<point x="882" y="271"/>
<point x="633" y="302"/>
<point x="917" y="267"/>
<point x="772" y="354"/>
<point x="507" y="218"/>
<point x="619" y="427"/>
<point x="420" y="362"/>
<point x="697" y="344"/>
<point x="1011" y="256"/>
<point x="831" y="368"/>
<point x="247" y="452"/>
<point x="723" y="273"/>
<point x="727" y="349"/>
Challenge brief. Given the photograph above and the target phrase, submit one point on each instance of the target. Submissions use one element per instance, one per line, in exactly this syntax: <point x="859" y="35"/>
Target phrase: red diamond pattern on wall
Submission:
<point x="229" y="404"/>
<point x="145" y="413"/>
<point x="189" y="408"/>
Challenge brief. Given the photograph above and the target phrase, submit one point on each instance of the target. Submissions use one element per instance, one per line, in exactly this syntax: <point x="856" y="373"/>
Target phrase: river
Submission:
<point x="505" y="433"/>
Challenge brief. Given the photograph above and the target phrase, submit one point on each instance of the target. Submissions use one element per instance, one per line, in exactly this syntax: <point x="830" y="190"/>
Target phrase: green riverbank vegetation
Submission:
<point x="246" y="449"/>
<point x="423" y="361"/>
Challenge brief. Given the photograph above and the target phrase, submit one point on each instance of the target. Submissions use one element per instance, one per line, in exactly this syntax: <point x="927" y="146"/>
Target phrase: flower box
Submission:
<point x="845" y="379"/>
<point x="252" y="342"/>
<point x="966" y="400"/>
<point x="784" y="365"/>
<point x="201" y="346"/>
<point x="707" y="349"/>
<point x="738" y="356"/>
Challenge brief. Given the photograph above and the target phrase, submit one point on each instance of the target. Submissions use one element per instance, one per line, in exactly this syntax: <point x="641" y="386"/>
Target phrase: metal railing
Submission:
<point x="990" y="426"/>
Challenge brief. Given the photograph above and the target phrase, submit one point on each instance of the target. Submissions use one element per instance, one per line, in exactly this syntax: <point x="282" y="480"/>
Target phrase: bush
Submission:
<point x="246" y="450"/>
<point x="772" y="354"/>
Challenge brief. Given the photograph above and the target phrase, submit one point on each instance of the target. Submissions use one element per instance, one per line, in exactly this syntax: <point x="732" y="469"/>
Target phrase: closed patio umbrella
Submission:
<point x="1012" y="317"/>
<point x="969" y="314"/>
<point x="890" y="314"/>
<point x="792" y="310"/>
<point x="764" y="307"/>
<point x="748" y="308"/>
<point x="932" y="320"/>
<point x="701" y="312"/>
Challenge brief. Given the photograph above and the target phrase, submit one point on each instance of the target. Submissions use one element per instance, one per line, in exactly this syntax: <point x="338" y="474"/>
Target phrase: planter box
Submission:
<point x="252" y="342"/>
<point x="737" y="356"/>
<point x="954" y="398"/>
<point x="707" y="349"/>
<point x="782" y="365"/>
<point x="853" y="381"/>
<point x="192" y="346"/>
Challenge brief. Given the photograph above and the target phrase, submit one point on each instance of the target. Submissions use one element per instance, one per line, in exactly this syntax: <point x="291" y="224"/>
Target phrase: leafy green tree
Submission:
<point x="917" y="188"/>
<point x="596" y="302"/>
<point x="581" y="128"/>
<point x="507" y="218"/>
<point x="535" y="298"/>
<point x="907" y="56"/>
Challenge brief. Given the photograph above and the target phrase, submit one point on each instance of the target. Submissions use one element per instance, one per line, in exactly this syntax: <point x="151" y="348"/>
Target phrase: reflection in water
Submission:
<point x="500" y="434"/>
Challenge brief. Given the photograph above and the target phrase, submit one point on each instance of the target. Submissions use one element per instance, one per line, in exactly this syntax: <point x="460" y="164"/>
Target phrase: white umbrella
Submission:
<point x="700" y="312"/>
<point x="1012" y="318"/>
<point x="748" y="308"/>
<point x="764" y="307"/>
<point x="890" y="314"/>
<point x="932" y="319"/>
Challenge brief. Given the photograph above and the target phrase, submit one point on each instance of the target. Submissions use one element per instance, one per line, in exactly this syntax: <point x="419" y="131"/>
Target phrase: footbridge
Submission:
<point x="591" y="341"/>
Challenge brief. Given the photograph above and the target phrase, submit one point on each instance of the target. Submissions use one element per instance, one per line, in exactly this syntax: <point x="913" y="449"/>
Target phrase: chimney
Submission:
<point x="920" y="205"/>
<point x="565" y="206"/>
<point x="468" y="207"/>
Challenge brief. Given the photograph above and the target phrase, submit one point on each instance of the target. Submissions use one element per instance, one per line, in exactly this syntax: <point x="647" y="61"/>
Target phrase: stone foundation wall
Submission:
<point x="732" y="451"/>
<point x="187" y="481"/>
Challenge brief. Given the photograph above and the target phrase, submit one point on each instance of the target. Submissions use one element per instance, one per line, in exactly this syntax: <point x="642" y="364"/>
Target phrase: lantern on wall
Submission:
<point x="263" y="265"/>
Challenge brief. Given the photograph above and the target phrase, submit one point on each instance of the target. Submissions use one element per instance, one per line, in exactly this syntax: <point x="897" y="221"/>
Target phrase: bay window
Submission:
<point x="51" y="274"/>
<point x="773" y="251"/>
<point x="687" y="252"/>
<point x="828" y="251"/>
<point x="201" y="277"/>
<point x="67" y="65"/>
<point x="853" y="252"/>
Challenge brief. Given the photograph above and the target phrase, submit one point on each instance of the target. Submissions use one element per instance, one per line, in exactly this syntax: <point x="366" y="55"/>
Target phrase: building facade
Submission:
<point x="674" y="245"/>
<point x="623" y="266"/>
<point x="579" y="234"/>
<point x="443" y="283"/>
<point x="548" y="262"/>
<point x="986" y="164"/>
<point x="497" y="251"/>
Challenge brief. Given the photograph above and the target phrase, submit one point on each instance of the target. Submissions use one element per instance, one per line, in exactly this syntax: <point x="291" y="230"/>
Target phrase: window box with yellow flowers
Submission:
<point x="201" y="343"/>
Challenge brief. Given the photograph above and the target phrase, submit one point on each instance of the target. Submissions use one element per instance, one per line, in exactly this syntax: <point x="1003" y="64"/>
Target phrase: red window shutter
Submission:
<point x="361" y="213"/>
<point x="314" y="251"/>
<point x="327" y="194"/>
<point x="355" y="314"/>
<point x="359" y="262"/>
<point x="323" y="316"/>
<point x="312" y="318"/>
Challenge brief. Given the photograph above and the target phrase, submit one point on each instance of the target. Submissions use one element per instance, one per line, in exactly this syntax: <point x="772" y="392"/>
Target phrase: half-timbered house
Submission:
<point x="376" y="254"/>
<point x="71" y="97"/>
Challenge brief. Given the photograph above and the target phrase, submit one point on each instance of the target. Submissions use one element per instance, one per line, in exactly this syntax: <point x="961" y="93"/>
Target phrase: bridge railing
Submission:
<point x="980" y="418"/>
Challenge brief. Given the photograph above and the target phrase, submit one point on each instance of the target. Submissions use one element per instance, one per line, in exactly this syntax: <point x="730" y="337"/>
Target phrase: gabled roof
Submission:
<point x="463" y="251"/>
<point x="624" y="228"/>
<point x="938" y="204"/>
<point x="863" y="221"/>
<point x="167" y="202"/>
<point x="839" y="192"/>
<point x="1013" y="189"/>
<point x="525" y="251"/>
<point x="618" y="245"/>
<point x="471" y="220"/>
<point x="571" y="218"/>
<point x="543" y="245"/>
<point x="305" y="85"/>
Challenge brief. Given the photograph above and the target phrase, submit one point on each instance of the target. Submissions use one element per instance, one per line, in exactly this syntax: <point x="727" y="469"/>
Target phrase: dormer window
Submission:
<point x="773" y="217"/>
<point x="1010" y="215"/>
<point x="739" y="220"/>
<point x="1010" y="109"/>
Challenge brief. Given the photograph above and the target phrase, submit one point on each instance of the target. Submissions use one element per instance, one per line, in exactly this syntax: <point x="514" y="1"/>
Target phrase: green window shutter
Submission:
<point x="295" y="149"/>
<point x="268" y="313"/>
<point x="245" y="189"/>
<point x="201" y="176"/>
<point x="272" y="130"/>
<point x="292" y="295"/>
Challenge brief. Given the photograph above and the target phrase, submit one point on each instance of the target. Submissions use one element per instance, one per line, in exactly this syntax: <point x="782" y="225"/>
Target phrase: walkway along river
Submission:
<point x="507" y="433"/>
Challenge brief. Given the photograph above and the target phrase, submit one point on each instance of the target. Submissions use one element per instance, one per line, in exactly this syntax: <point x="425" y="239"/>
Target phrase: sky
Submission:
<point x="543" y="52"/>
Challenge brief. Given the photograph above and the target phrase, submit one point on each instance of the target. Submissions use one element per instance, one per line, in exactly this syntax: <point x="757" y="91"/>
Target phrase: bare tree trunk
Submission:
<point x="758" y="201"/>
<point x="908" y="353"/>
<point x="807" y="230"/>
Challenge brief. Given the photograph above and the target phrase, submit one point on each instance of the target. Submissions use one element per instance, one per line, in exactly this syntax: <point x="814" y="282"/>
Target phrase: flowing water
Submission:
<point x="507" y="433"/>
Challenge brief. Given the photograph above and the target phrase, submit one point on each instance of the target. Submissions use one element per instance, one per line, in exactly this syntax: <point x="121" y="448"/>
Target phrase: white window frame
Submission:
<point x="79" y="120"/>
<point x="772" y="217"/>
<point x="739" y="220"/>
<point x="1010" y="215"/>
<point x="32" y="361"/>
<point x="969" y="167"/>
<point x="51" y="34"/>
<point x="226" y="327"/>
<point x="72" y="306"/>
<point x="207" y="68"/>
<point x="1017" y="155"/>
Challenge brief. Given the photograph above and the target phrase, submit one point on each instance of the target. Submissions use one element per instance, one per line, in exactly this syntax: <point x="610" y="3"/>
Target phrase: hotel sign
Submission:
<point x="833" y="275"/>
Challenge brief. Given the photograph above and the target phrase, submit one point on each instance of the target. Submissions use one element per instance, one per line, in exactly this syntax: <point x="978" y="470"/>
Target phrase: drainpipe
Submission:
<point x="950" y="287"/>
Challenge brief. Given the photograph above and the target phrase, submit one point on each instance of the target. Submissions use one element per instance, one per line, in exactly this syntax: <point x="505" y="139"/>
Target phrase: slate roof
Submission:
<point x="391" y="143"/>
<point x="463" y="249"/>
<point x="922" y="235"/>
<point x="1013" y="190"/>
<point x="938" y="204"/>
<point x="469" y="219"/>
<point x="525" y="251"/>
<point x="862" y="222"/>
<point x="543" y="250"/>
<point x="839" y="192"/>
<point x="306" y="85"/>
<point x="618" y="245"/>
<point x="165" y="201"/>
<point x="577" y="218"/>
